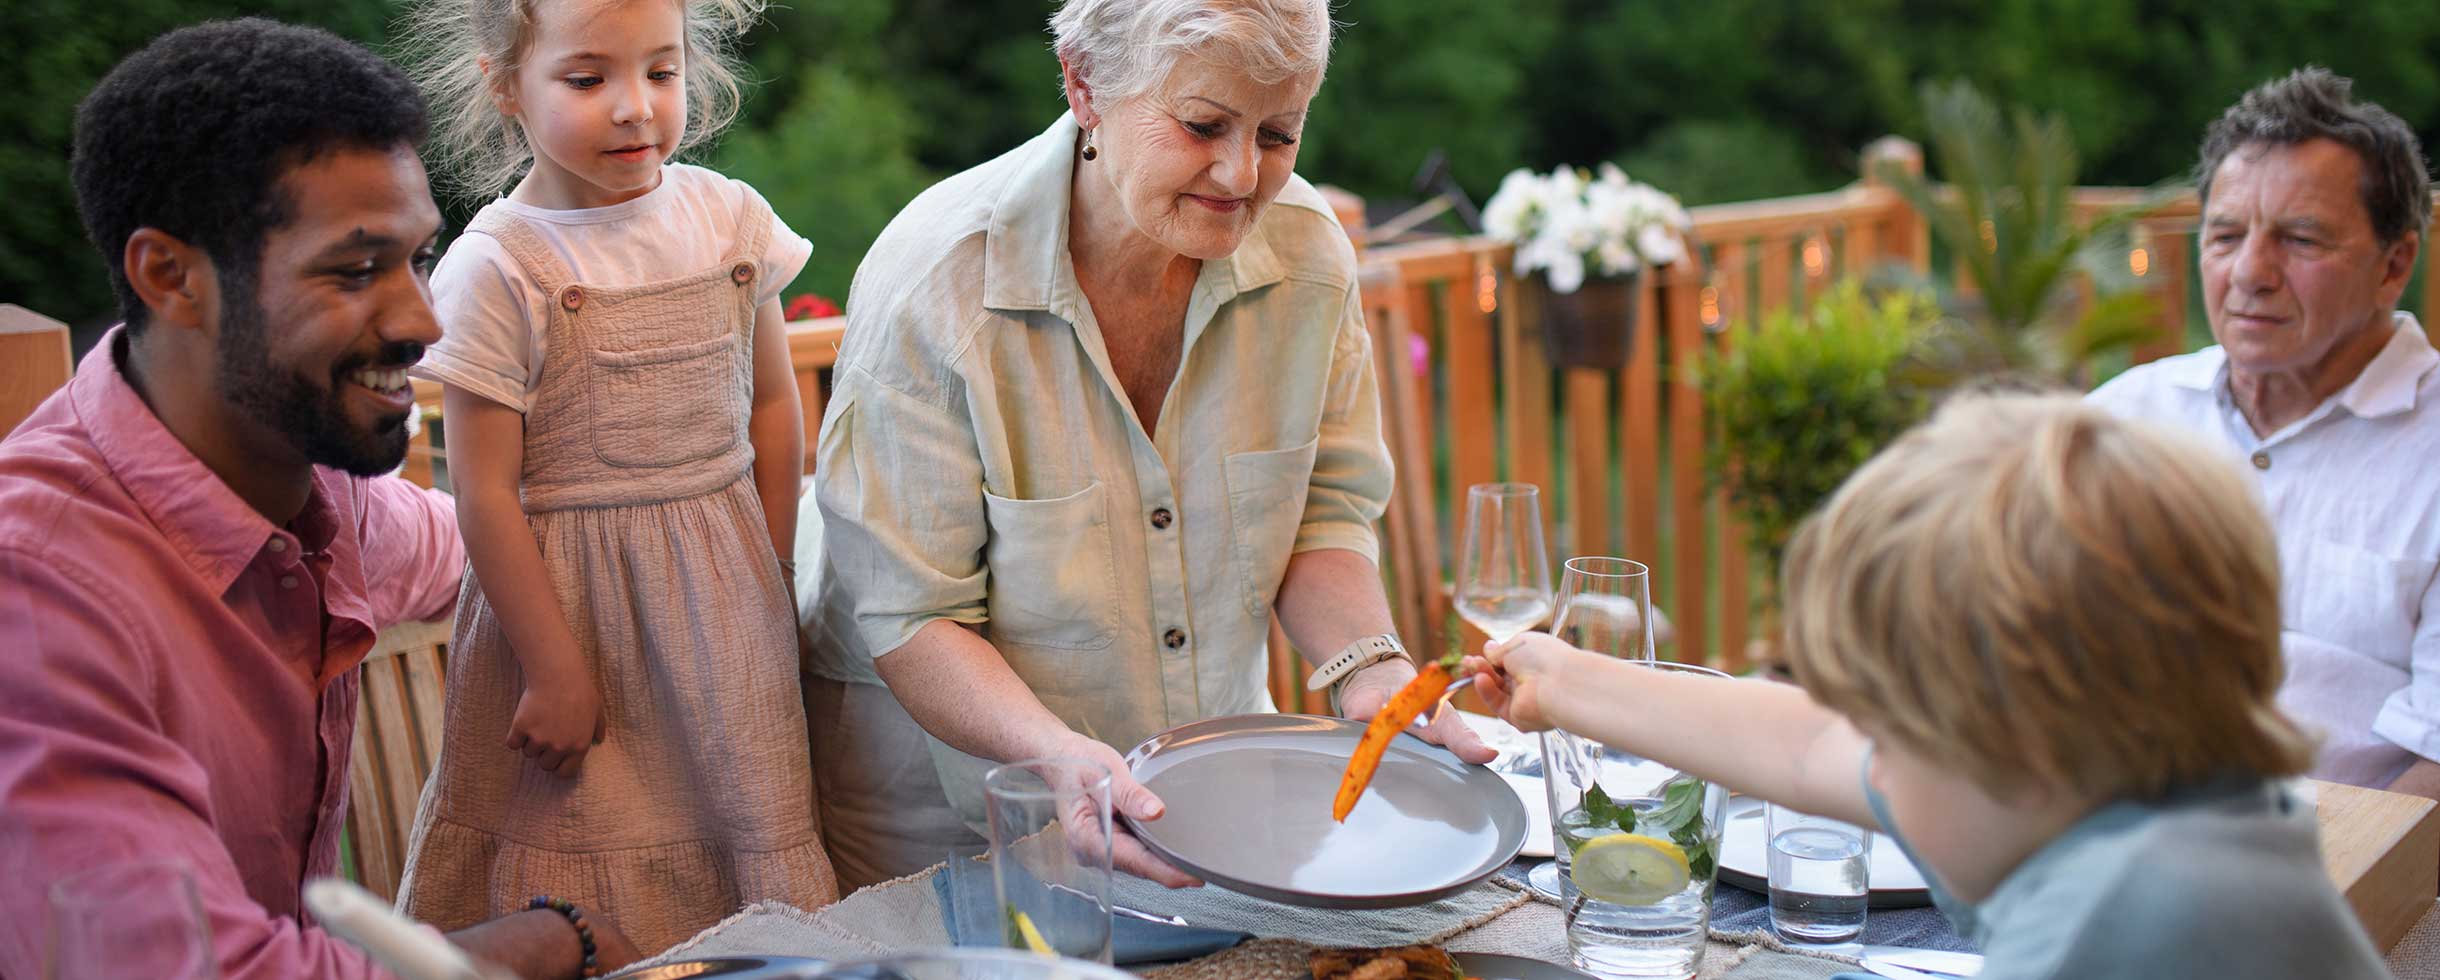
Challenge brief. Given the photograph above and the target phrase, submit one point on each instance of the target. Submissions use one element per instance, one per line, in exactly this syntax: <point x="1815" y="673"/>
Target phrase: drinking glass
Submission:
<point x="1638" y="846"/>
<point x="138" y="918"/>
<point x="1605" y="606"/>
<point x="1050" y="855"/>
<point x="1820" y="877"/>
<point x="1503" y="572"/>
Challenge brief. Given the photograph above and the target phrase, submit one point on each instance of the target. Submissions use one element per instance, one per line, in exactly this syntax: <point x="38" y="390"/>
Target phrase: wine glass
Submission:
<point x="1503" y="573"/>
<point x="1605" y="606"/>
<point x="138" y="918"/>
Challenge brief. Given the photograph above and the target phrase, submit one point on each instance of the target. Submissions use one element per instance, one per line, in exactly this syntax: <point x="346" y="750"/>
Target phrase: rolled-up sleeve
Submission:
<point x="1352" y="472"/>
<point x="413" y="557"/>
<point x="2411" y="717"/>
<point x="899" y="484"/>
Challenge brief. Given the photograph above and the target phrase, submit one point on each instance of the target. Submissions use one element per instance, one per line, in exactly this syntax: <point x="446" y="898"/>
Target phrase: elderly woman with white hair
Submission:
<point x="1105" y="404"/>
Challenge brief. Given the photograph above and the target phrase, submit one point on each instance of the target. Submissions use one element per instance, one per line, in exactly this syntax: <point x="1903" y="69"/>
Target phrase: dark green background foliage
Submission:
<point x="864" y="102"/>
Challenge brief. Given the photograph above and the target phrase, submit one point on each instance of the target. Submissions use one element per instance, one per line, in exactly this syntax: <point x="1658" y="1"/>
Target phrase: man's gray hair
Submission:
<point x="2311" y="103"/>
<point x="1125" y="47"/>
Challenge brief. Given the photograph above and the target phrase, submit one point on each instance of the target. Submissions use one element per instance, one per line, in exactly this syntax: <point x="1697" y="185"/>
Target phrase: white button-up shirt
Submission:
<point x="980" y="463"/>
<point x="2353" y="490"/>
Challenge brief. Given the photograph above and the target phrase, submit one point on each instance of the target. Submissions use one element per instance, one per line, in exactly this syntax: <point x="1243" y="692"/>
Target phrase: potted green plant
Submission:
<point x="1804" y="398"/>
<point x="2007" y="213"/>
<point x="1589" y="237"/>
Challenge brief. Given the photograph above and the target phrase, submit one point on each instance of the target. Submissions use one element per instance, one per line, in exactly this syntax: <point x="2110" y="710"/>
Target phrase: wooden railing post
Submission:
<point x="34" y="362"/>
<point x="1903" y="236"/>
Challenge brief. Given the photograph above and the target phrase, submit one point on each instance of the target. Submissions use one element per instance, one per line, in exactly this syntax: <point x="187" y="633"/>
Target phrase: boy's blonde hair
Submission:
<point x="481" y="152"/>
<point x="2030" y="592"/>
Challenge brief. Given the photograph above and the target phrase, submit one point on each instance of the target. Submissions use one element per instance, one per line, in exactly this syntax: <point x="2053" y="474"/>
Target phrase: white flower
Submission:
<point x="1571" y="223"/>
<point x="1508" y="214"/>
<point x="1617" y="259"/>
<point x="1566" y="270"/>
<point x="1659" y="244"/>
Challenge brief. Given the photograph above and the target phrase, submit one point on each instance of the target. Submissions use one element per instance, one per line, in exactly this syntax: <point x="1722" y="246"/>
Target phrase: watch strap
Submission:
<point x="1357" y="656"/>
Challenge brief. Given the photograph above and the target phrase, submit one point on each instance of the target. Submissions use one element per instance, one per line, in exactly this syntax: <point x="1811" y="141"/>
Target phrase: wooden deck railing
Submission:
<point x="1470" y="397"/>
<point x="1619" y="452"/>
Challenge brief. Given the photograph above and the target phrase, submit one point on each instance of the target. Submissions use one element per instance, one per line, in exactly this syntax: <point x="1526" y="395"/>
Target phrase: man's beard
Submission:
<point x="312" y="418"/>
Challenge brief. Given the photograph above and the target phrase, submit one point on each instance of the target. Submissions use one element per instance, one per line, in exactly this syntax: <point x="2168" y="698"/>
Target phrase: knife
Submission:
<point x="1882" y="967"/>
<point x="1928" y="960"/>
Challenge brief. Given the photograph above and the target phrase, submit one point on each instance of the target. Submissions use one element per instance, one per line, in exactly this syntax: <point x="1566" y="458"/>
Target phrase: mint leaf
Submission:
<point x="1599" y="810"/>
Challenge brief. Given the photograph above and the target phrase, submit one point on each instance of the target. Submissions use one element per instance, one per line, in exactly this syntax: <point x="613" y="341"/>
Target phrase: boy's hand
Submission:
<point x="1371" y="689"/>
<point x="1515" y="675"/>
<point x="557" y="721"/>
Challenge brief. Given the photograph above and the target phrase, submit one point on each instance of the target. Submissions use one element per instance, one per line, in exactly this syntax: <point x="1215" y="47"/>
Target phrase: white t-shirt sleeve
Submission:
<point x="784" y="254"/>
<point x="492" y="319"/>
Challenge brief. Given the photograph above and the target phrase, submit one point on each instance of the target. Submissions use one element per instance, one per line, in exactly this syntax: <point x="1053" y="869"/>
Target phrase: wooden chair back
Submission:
<point x="34" y="362"/>
<point x="398" y="738"/>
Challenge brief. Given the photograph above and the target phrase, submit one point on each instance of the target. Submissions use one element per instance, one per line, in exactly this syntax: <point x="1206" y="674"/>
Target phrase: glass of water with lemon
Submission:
<point x="1639" y="846"/>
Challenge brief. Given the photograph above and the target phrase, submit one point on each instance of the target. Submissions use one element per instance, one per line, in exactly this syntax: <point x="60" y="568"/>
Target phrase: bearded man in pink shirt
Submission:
<point x="196" y="544"/>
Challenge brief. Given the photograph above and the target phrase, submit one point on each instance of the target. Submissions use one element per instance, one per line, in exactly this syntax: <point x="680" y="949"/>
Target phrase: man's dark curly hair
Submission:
<point x="2311" y="103"/>
<point x="191" y="136"/>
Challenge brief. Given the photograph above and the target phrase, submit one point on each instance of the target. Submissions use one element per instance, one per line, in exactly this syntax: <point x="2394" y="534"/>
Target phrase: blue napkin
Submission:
<point x="1734" y="909"/>
<point x="1132" y="941"/>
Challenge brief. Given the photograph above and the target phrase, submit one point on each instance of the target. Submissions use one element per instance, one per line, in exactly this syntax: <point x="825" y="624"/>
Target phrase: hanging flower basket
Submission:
<point x="1590" y="237"/>
<point x="1592" y="327"/>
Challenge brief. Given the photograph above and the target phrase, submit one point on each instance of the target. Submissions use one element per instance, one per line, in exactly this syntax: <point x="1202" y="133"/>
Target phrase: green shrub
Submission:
<point x="1801" y="401"/>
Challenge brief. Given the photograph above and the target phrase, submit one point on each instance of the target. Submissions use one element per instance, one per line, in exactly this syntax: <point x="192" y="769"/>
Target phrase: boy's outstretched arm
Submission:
<point x="1754" y="736"/>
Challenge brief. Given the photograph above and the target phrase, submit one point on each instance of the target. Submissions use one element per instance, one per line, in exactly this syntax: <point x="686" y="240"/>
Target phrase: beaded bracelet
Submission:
<point x="576" y="917"/>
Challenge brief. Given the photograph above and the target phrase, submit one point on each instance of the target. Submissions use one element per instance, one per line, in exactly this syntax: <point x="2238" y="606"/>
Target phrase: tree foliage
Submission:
<point x="1725" y="100"/>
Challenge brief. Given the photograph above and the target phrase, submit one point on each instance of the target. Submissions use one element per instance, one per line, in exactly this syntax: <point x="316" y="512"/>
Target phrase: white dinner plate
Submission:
<point x="1745" y="860"/>
<point x="1537" y="813"/>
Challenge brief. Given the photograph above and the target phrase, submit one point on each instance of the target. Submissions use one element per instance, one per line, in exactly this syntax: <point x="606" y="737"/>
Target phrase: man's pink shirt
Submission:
<point x="178" y="675"/>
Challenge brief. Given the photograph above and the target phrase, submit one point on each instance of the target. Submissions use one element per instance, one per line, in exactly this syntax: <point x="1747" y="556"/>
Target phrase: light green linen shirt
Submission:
<point x="980" y="463"/>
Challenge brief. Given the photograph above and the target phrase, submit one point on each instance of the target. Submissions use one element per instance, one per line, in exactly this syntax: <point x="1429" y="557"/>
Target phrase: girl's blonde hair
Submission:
<point x="480" y="151"/>
<point x="2031" y="592"/>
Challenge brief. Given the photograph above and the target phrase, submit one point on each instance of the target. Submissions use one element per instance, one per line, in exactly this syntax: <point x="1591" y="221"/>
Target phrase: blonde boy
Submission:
<point x="2038" y="645"/>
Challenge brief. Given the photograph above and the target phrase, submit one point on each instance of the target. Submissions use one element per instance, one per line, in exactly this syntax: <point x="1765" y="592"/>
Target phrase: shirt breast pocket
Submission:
<point x="1266" y="507"/>
<point x="2359" y="599"/>
<point x="1052" y="584"/>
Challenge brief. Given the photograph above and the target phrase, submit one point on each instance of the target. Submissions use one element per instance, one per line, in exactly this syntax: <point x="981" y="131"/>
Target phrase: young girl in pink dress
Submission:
<point x="624" y="728"/>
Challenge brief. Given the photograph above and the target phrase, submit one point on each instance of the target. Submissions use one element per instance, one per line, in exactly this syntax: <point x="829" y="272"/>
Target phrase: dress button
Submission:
<point x="2262" y="461"/>
<point x="743" y="273"/>
<point x="1175" y="638"/>
<point x="278" y="545"/>
<point x="571" y="298"/>
<point x="288" y="581"/>
<point x="1161" y="518"/>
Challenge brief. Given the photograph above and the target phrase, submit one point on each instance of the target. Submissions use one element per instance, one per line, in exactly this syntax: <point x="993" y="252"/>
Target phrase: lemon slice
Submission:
<point x="1629" y="869"/>
<point x="1033" y="936"/>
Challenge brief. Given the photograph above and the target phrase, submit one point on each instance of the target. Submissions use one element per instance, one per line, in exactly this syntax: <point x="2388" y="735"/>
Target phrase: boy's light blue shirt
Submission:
<point x="2223" y="881"/>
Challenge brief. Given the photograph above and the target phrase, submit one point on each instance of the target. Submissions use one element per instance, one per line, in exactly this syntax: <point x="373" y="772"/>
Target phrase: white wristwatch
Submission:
<point x="1358" y="655"/>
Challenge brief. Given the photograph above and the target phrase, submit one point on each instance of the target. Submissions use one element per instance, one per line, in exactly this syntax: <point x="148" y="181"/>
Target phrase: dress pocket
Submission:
<point x="1266" y="506"/>
<point x="667" y="405"/>
<point x="1052" y="584"/>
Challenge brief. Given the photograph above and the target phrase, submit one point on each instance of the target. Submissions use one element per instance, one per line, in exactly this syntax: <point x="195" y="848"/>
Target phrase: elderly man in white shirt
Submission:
<point x="2314" y="208"/>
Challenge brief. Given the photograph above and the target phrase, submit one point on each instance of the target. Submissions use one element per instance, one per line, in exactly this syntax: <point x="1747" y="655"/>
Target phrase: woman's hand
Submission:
<point x="1128" y="797"/>
<point x="1370" y="689"/>
<point x="558" y="719"/>
<point x="1513" y="677"/>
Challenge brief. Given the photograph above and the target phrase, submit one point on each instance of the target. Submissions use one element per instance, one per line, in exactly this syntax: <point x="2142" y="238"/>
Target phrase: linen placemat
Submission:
<point x="906" y="914"/>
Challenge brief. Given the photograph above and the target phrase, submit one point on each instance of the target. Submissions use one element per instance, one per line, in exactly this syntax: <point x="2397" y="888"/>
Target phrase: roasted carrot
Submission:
<point x="1411" y="701"/>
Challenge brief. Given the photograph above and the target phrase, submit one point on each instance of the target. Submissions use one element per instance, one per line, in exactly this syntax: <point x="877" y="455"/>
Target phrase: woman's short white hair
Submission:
<point x="1124" y="47"/>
